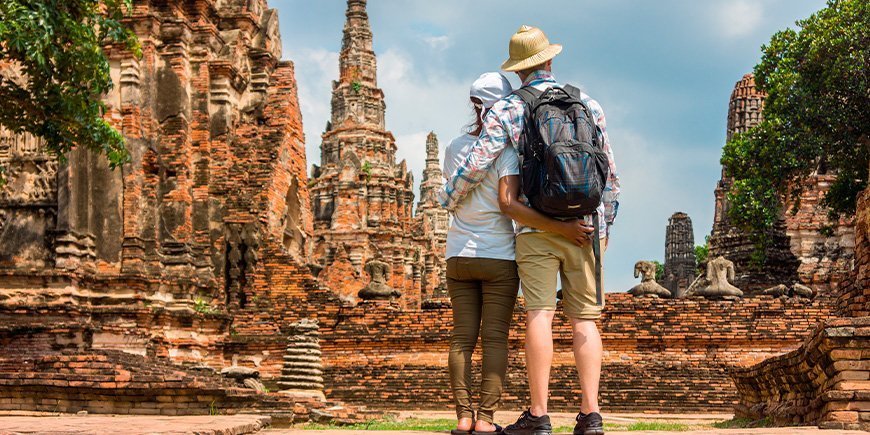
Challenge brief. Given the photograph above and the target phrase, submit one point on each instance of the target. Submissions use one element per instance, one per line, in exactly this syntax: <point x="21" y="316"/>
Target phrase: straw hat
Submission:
<point x="529" y="47"/>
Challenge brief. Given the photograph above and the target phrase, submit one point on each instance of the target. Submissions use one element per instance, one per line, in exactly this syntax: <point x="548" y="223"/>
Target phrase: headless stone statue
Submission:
<point x="797" y="291"/>
<point x="648" y="285"/>
<point x="776" y="291"/>
<point x="720" y="271"/>
<point x="378" y="289"/>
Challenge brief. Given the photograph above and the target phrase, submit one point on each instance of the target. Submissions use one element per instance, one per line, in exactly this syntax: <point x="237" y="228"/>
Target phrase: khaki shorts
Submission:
<point x="540" y="256"/>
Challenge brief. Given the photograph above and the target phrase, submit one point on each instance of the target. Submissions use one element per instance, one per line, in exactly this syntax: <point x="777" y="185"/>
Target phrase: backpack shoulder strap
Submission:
<point x="531" y="98"/>
<point x="529" y="95"/>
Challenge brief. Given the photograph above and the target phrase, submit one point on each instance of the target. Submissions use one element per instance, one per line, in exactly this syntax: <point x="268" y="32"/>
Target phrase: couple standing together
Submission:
<point x="540" y="157"/>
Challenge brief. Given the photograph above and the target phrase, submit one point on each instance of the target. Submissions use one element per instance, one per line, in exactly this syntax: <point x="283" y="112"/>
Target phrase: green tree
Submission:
<point x="816" y="117"/>
<point x="702" y="252"/>
<point x="57" y="44"/>
<point x="660" y="271"/>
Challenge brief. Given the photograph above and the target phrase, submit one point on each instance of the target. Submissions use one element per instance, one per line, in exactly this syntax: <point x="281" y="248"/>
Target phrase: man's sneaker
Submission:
<point x="530" y="425"/>
<point x="589" y="424"/>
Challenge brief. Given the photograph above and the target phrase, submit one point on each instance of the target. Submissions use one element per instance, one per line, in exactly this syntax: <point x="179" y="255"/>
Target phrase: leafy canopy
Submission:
<point x="816" y="118"/>
<point x="57" y="44"/>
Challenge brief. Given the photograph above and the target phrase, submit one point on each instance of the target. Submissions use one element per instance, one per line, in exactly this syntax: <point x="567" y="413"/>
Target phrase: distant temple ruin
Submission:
<point x="362" y="199"/>
<point x="680" y="267"/>
<point x="798" y="250"/>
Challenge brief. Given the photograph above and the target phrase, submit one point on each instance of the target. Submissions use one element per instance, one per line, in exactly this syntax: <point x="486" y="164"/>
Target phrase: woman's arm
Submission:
<point x="508" y="192"/>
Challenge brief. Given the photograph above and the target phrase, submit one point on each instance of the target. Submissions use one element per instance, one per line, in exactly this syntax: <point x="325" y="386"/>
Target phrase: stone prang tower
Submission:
<point x="680" y="264"/>
<point x="361" y="197"/>
<point x="745" y="112"/>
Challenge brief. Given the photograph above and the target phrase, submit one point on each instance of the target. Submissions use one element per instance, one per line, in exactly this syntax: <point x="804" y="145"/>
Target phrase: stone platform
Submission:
<point x="134" y="425"/>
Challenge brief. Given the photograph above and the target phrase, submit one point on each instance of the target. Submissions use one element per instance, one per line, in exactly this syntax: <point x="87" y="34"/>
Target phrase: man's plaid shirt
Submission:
<point x="502" y="126"/>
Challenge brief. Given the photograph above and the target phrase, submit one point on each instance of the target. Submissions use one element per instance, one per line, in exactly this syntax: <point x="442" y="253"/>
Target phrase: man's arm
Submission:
<point x="501" y="126"/>
<point x="508" y="192"/>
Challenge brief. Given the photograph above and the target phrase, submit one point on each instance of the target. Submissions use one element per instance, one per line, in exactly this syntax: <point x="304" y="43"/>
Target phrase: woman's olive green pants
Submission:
<point x="483" y="292"/>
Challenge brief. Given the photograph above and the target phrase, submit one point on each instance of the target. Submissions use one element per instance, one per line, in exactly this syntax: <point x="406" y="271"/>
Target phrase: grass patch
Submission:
<point x="742" y="423"/>
<point x="418" y="424"/>
<point x="657" y="425"/>
<point x="633" y="427"/>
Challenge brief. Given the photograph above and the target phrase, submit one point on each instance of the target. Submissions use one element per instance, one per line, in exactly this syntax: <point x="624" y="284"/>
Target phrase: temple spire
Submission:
<point x="432" y="150"/>
<point x="357" y="61"/>
<point x="432" y="177"/>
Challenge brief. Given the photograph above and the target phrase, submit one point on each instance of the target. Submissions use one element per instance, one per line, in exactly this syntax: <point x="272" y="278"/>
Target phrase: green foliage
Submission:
<point x="702" y="252"/>
<point x="203" y="307"/>
<point x="58" y="46"/>
<point x="660" y="271"/>
<point x="815" y="118"/>
<point x="367" y="169"/>
<point x="356" y="86"/>
<point x="390" y="423"/>
<point x="213" y="409"/>
<point x="657" y="426"/>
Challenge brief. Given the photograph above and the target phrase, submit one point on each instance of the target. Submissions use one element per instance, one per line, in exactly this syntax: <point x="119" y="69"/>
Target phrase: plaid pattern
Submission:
<point x="502" y="126"/>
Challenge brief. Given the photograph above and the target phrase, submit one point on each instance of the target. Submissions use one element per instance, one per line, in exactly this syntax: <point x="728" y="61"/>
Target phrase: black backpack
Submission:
<point x="565" y="167"/>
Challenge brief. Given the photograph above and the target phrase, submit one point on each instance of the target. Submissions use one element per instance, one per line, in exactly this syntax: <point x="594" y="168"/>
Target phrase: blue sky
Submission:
<point x="662" y="70"/>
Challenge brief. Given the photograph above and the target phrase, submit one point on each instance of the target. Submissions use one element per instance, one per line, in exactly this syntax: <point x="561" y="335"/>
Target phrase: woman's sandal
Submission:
<point x="498" y="430"/>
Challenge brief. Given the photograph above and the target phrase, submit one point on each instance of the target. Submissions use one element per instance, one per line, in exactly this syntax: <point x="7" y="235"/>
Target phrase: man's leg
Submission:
<point x="587" y="355"/>
<point x="539" y="357"/>
<point x="581" y="306"/>
<point x="538" y="267"/>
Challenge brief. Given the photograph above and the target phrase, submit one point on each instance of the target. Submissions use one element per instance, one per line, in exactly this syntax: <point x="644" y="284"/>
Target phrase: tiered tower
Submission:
<point x="362" y="198"/>
<point x="680" y="264"/>
<point x="433" y="223"/>
<point x="745" y="112"/>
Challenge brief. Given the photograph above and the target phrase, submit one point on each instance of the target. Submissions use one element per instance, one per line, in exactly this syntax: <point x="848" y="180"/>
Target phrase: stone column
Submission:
<point x="303" y="368"/>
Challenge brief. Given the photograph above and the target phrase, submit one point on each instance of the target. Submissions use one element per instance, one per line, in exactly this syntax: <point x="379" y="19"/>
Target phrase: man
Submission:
<point x="542" y="255"/>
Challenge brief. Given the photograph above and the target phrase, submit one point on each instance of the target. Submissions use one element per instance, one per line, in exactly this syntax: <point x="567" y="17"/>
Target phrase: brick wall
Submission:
<point x="827" y="380"/>
<point x="854" y="298"/>
<point x="668" y="355"/>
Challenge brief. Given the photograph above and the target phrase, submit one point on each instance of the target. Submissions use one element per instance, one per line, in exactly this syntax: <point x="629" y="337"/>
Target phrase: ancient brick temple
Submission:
<point x="680" y="263"/>
<point x="362" y="198"/>
<point x="193" y="253"/>
<point x="804" y="245"/>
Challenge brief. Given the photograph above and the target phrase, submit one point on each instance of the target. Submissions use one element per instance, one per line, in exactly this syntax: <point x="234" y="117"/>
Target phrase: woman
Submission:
<point x="481" y="273"/>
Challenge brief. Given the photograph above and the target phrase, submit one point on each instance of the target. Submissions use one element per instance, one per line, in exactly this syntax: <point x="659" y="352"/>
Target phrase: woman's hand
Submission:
<point x="576" y="231"/>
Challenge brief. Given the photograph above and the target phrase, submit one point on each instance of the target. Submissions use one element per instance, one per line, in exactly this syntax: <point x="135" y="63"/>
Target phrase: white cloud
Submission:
<point x="315" y="70"/>
<point x="418" y="102"/>
<point x="438" y="43"/>
<point x="737" y="18"/>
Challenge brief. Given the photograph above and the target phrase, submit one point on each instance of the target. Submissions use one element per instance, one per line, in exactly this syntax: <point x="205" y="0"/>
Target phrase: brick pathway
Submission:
<point x="133" y="425"/>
